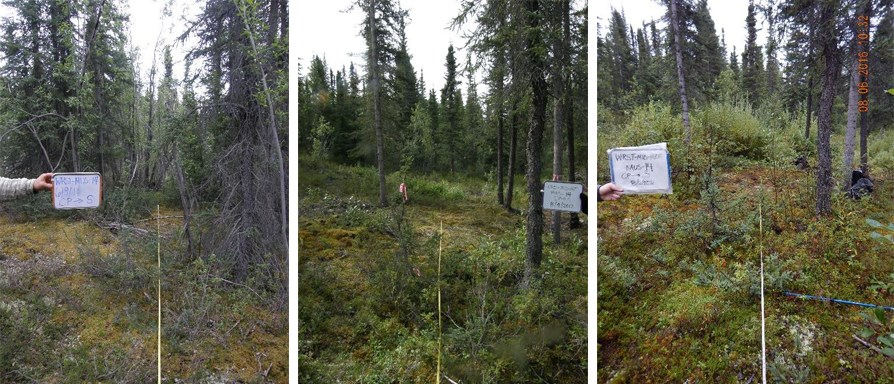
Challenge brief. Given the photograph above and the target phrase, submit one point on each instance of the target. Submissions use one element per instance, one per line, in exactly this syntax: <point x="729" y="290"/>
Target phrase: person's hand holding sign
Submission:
<point x="43" y="182"/>
<point x="610" y="191"/>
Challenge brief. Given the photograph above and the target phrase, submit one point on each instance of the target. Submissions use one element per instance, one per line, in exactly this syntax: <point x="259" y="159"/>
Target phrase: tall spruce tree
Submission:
<point x="753" y="79"/>
<point x="675" y="26"/>
<point x="536" y="66"/>
<point x="474" y="121"/>
<point x="771" y="16"/>
<point x="380" y="15"/>
<point x="451" y="105"/>
<point x="831" y="54"/>
<point x="245" y="133"/>
<point x="708" y="54"/>
<point x="405" y="82"/>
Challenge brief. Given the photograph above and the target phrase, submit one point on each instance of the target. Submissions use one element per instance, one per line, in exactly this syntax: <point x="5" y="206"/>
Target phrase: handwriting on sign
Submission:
<point x="76" y="190"/>
<point x="559" y="196"/>
<point x="641" y="169"/>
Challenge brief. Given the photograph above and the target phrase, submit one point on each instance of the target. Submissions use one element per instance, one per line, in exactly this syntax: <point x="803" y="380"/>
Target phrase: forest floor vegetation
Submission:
<point x="369" y="284"/>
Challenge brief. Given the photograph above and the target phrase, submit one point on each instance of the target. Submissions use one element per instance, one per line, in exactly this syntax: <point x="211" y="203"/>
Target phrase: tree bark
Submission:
<point x="534" y="147"/>
<point x="513" y="144"/>
<point x="185" y="202"/>
<point x="675" y="24"/>
<point x="851" y="131"/>
<point x="559" y="110"/>
<point x="147" y="151"/>
<point x="809" y="82"/>
<point x="574" y="222"/>
<point x="374" y="88"/>
<point x="501" y="119"/>
<point x="809" y="104"/>
<point x="827" y="98"/>
<point x="274" y="136"/>
<point x="864" y="98"/>
<point x="272" y="22"/>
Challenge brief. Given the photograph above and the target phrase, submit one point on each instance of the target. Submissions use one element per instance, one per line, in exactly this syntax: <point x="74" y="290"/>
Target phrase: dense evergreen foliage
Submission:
<point x="531" y="56"/>
<point x="819" y="50"/>
<point x="759" y="206"/>
<point x="210" y="147"/>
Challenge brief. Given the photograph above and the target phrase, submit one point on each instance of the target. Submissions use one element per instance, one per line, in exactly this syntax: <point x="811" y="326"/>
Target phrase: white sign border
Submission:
<point x="652" y="147"/>
<point x="101" y="191"/>
<point x="543" y="188"/>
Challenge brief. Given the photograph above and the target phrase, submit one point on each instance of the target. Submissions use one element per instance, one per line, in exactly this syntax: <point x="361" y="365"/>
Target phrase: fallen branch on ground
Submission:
<point x="864" y="342"/>
<point x="158" y="218"/>
<point x="119" y="226"/>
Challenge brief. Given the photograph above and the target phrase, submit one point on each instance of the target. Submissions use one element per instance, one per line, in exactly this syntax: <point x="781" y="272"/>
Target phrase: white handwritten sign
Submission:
<point x="77" y="190"/>
<point x="558" y="196"/>
<point x="644" y="169"/>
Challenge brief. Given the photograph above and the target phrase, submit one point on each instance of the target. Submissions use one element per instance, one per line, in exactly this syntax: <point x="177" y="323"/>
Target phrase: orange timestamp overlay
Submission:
<point x="862" y="34"/>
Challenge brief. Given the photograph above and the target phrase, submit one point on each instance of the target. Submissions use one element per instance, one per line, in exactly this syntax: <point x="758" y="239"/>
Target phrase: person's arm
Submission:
<point x="12" y="188"/>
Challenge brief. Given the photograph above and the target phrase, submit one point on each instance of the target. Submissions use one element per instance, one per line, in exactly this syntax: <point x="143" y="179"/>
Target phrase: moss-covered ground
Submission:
<point x="78" y="303"/>
<point x="679" y="275"/>
<point x="369" y="284"/>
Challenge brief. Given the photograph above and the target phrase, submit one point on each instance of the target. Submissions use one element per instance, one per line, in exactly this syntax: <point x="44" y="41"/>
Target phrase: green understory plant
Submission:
<point x="881" y="328"/>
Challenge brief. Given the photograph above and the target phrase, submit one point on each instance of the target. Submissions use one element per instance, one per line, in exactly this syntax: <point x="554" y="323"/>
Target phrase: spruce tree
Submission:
<point x="752" y="60"/>
<point x="708" y="54"/>
<point x="451" y="105"/>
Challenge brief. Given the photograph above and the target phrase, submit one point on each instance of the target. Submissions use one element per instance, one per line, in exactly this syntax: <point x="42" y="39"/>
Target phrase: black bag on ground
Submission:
<point x="860" y="185"/>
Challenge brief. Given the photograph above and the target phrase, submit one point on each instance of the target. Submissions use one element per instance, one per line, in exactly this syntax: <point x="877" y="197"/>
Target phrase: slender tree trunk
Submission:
<point x="185" y="202"/>
<point x="851" y="131"/>
<point x="827" y="98"/>
<point x="809" y="82"/>
<point x="864" y="98"/>
<point x="272" y="22"/>
<point x="75" y="138"/>
<point x="534" y="147"/>
<point x="809" y="104"/>
<point x="680" y="75"/>
<point x="559" y="110"/>
<point x="452" y="141"/>
<point x="100" y="148"/>
<point x="247" y="182"/>
<point x="575" y="220"/>
<point x="274" y="134"/>
<point x="374" y="88"/>
<point x="513" y="144"/>
<point x="147" y="150"/>
<point x="501" y="119"/>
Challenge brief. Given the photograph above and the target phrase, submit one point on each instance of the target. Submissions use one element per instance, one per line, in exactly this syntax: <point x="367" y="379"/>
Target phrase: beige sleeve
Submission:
<point x="12" y="188"/>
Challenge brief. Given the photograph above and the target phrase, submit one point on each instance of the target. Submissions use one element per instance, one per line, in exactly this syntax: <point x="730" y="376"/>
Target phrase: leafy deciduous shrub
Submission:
<point x="881" y="146"/>
<point x="647" y="124"/>
<point x="730" y="132"/>
<point x="125" y="204"/>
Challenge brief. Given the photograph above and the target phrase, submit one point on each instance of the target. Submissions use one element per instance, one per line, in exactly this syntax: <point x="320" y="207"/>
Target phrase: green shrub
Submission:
<point x="435" y="191"/>
<point x="35" y="207"/>
<point x="730" y="132"/>
<point x="647" y="124"/>
<point x="121" y="270"/>
<point x="881" y="148"/>
<point x="28" y="338"/>
<point x="126" y="204"/>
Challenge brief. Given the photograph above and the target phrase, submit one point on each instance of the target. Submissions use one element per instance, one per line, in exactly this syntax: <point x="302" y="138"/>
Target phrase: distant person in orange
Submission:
<point x="12" y="188"/>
